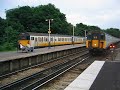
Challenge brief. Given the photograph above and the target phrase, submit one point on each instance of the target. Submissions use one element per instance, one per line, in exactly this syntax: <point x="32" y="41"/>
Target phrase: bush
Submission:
<point x="7" y="47"/>
<point x="1" y="48"/>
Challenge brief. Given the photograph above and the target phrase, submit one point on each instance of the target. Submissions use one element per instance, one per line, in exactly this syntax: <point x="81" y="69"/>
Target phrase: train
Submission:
<point x="99" y="41"/>
<point x="36" y="40"/>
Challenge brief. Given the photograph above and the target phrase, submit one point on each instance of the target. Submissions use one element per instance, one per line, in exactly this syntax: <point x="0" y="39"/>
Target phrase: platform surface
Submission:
<point x="100" y="75"/>
<point x="17" y="54"/>
<point x="85" y="80"/>
<point x="118" y="55"/>
<point x="108" y="77"/>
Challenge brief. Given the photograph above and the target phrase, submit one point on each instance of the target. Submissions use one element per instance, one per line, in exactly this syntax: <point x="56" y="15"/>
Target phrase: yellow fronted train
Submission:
<point x="98" y="41"/>
<point x="34" y="40"/>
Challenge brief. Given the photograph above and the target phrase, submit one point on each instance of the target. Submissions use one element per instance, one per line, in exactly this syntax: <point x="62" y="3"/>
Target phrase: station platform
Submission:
<point x="100" y="75"/>
<point x="118" y="55"/>
<point x="4" y="56"/>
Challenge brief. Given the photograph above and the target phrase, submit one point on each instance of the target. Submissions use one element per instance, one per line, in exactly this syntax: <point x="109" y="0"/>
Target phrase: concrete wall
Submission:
<point x="21" y="63"/>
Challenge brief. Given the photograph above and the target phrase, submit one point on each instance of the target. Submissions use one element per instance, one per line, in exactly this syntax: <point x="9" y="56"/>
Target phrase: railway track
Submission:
<point x="47" y="74"/>
<point x="64" y="80"/>
<point x="45" y="71"/>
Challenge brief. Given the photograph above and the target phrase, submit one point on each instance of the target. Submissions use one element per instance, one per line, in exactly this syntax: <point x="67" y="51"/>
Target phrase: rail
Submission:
<point x="38" y="79"/>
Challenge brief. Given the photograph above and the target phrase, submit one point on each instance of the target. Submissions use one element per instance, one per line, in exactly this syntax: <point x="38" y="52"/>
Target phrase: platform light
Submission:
<point x="49" y="31"/>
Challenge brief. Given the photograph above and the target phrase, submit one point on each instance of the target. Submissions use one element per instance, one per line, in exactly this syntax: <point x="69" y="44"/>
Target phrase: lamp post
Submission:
<point x="85" y="36"/>
<point x="73" y="34"/>
<point x="49" y="31"/>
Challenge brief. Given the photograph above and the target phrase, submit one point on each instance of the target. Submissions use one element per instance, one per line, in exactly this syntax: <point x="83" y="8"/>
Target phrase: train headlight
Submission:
<point x="95" y="44"/>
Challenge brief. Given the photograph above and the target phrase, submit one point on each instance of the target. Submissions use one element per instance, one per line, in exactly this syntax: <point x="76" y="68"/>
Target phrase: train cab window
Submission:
<point x="95" y="36"/>
<point x="27" y="37"/>
<point x="102" y="36"/>
<point x="24" y="36"/>
<point x="32" y="38"/>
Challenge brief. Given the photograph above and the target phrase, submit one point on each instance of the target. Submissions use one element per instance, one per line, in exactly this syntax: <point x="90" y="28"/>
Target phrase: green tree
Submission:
<point x="113" y="31"/>
<point x="33" y="18"/>
<point x="3" y="24"/>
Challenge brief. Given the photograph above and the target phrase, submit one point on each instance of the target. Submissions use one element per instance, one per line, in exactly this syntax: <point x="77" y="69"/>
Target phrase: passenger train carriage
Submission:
<point x="99" y="41"/>
<point x="34" y="40"/>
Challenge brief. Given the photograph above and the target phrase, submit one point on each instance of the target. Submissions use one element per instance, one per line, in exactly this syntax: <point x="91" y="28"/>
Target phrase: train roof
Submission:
<point x="96" y="31"/>
<point x="45" y="34"/>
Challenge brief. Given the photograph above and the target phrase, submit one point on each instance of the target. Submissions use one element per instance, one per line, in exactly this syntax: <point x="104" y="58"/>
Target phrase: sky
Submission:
<point x="102" y="13"/>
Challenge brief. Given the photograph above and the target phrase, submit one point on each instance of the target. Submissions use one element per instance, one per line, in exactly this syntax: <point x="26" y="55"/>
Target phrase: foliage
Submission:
<point x="114" y="32"/>
<point x="80" y="29"/>
<point x="7" y="47"/>
<point x="2" y="32"/>
<point x="33" y="19"/>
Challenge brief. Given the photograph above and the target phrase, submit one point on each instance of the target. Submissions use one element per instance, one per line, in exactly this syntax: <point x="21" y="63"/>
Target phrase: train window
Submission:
<point x="95" y="36"/>
<point x="46" y="39"/>
<point x="32" y="38"/>
<point x="24" y="36"/>
<point x="51" y="39"/>
<point x="39" y="39"/>
<point x="35" y="39"/>
<point x="27" y="37"/>
<point x="58" y="39"/>
<point x="55" y="39"/>
<point x="62" y="39"/>
<point x="102" y="37"/>
<point x="42" y="39"/>
<point x="88" y="37"/>
<point x="65" y="39"/>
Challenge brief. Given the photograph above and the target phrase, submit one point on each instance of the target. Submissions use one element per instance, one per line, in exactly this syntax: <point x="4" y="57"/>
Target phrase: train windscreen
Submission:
<point x="95" y="36"/>
<point x="24" y="36"/>
<point x="102" y="36"/>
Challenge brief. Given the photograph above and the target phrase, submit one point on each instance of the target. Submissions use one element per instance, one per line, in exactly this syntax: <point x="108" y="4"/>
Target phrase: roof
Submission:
<point x="46" y="34"/>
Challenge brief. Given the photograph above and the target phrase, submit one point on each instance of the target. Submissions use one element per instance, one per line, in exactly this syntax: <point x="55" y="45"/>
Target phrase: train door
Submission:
<point x="32" y="41"/>
<point x="36" y="41"/>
